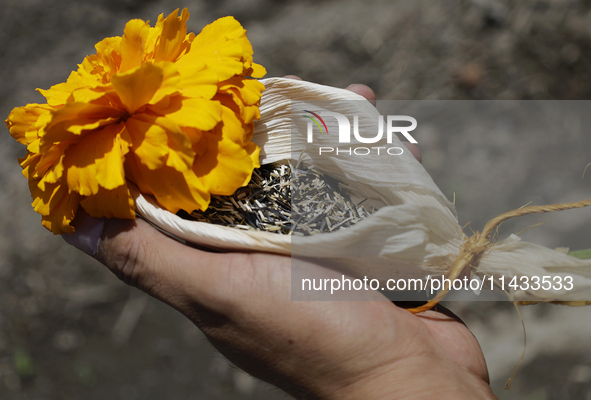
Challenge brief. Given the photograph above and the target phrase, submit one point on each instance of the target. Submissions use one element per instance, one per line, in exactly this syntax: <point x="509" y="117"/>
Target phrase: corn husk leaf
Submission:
<point x="414" y="233"/>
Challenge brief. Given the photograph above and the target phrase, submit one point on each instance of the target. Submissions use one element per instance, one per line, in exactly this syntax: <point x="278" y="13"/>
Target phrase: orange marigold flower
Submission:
<point x="169" y="111"/>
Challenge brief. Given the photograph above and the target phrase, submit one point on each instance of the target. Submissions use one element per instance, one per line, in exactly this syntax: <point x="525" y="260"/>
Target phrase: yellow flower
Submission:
<point x="169" y="111"/>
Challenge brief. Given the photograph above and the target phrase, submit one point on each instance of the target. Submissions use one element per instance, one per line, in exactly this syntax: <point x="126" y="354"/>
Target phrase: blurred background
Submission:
<point x="71" y="330"/>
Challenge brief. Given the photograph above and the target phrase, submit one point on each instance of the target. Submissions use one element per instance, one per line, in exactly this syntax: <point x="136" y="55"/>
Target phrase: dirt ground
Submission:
<point x="70" y="330"/>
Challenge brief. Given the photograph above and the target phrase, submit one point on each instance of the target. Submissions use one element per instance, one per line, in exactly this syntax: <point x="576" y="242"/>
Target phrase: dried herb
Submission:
<point x="288" y="200"/>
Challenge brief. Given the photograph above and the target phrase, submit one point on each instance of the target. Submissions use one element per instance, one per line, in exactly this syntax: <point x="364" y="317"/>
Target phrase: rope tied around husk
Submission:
<point x="475" y="246"/>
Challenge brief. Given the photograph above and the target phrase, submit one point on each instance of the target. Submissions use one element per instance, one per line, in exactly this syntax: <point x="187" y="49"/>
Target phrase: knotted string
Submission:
<point x="474" y="247"/>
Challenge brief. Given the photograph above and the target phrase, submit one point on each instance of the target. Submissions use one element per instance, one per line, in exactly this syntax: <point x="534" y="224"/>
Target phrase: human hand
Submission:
<point x="320" y="350"/>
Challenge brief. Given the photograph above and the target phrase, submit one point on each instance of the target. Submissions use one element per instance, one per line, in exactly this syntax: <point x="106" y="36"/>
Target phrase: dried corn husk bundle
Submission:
<point x="414" y="233"/>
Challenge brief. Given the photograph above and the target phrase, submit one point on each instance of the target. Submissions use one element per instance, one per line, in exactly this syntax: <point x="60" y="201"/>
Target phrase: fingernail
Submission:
<point x="87" y="234"/>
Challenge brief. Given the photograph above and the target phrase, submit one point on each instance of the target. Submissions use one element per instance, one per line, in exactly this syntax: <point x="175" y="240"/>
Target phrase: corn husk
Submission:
<point x="415" y="231"/>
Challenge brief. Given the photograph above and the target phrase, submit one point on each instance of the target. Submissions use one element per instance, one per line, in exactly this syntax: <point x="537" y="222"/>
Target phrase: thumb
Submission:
<point x="141" y="256"/>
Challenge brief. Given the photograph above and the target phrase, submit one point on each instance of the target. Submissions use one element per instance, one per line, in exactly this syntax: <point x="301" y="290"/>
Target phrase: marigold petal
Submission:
<point x="227" y="164"/>
<point x="200" y="143"/>
<point x="213" y="35"/>
<point x="163" y="139"/>
<point x="132" y="45"/>
<point x="246" y="95"/>
<point x="137" y="86"/>
<point x="81" y="176"/>
<point x="96" y="160"/>
<point x="115" y="203"/>
<point x="50" y="167"/>
<point x="225" y="57"/>
<point x="195" y="113"/>
<point x="28" y="164"/>
<point x="57" y="207"/>
<point x="109" y="55"/>
<point x="113" y="146"/>
<point x="197" y="80"/>
<point x="250" y="90"/>
<point x="180" y="154"/>
<point x="153" y="39"/>
<point x="258" y="71"/>
<point x="174" y="190"/>
<point x="110" y="99"/>
<point x="53" y="174"/>
<point x="174" y="31"/>
<point x="34" y="146"/>
<point x="226" y="27"/>
<point x="89" y="94"/>
<point x="150" y="141"/>
<point x="90" y="68"/>
<point x="21" y="122"/>
<point x="133" y="173"/>
<point x="218" y="46"/>
<point x="72" y="119"/>
<point x="70" y="130"/>
<point x="170" y="82"/>
<point x="41" y="198"/>
<point x="237" y="129"/>
<point x="193" y="134"/>
<point x="74" y="111"/>
<point x="58" y="95"/>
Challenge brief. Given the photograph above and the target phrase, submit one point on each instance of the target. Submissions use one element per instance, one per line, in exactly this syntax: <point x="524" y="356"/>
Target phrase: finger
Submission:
<point x="369" y="94"/>
<point x="297" y="78"/>
<point x="364" y="91"/>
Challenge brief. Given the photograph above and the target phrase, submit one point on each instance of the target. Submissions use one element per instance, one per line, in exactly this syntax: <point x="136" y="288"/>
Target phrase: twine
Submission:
<point x="474" y="247"/>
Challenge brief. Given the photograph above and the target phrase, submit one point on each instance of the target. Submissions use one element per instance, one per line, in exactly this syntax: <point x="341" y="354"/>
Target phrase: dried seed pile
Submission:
<point x="320" y="204"/>
<point x="285" y="200"/>
<point x="264" y="204"/>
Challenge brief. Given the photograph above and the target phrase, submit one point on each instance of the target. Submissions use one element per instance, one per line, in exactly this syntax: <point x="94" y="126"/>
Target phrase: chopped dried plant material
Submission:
<point x="321" y="203"/>
<point x="285" y="200"/>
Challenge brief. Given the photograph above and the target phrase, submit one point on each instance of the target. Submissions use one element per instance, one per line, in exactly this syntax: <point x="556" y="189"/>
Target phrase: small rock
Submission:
<point x="128" y="393"/>
<point x="570" y="53"/>
<point x="470" y="76"/>
<point x="12" y="382"/>
<point x="66" y="341"/>
<point x="244" y="383"/>
<point x="580" y="374"/>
